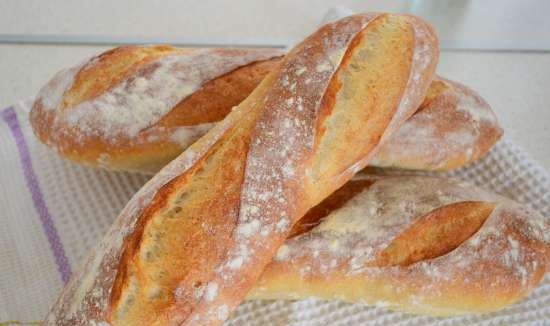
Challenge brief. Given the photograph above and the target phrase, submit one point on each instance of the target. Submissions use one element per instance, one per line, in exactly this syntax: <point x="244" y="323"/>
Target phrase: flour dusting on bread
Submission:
<point x="143" y="99"/>
<point x="453" y="128"/>
<point x="507" y="254"/>
<point x="51" y="95"/>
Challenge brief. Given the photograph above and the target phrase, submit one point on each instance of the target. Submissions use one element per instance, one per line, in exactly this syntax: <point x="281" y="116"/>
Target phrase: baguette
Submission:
<point x="193" y="241"/>
<point x="422" y="245"/>
<point x="452" y="127"/>
<point x="135" y="108"/>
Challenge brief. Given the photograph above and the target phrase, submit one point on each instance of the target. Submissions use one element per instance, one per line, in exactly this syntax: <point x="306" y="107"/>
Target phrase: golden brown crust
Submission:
<point x="467" y="251"/>
<point x="452" y="127"/>
<point x="157" y="144"/>
<point x="162" y="255"/>
<point x="436" y="233"/>
<point x="342" y="96"/>
<point x="217" y="97"/>
<point x="108" y="69"/>
<point x="331" y="203"/>
<point x="190" y="245"/>
<point x="446" y="120"/>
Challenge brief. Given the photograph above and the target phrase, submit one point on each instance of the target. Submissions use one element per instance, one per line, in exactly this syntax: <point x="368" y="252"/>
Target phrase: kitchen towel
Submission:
<point x="53" y="211"/>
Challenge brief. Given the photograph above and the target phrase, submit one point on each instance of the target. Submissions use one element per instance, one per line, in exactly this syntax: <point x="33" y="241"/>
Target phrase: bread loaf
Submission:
<point x="135" y="108"/>
<point x="452" y="127"/>
<point x="193" y="241"/>
<point x="423" y="245"/>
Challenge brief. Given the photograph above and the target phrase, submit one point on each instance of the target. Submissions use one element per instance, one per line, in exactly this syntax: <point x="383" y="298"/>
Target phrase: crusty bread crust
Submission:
<point x="192" y="242"/>
<point x="231" y="76"/>
<point x="423" y="245"/>
<point x="452" y="127"/>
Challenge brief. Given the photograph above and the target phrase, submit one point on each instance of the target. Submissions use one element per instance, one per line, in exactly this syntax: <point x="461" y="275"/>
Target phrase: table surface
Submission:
<point x="499" y="48"/>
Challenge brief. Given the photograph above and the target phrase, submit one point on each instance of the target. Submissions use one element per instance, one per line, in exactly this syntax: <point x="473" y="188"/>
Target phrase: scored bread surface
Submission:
<point x="452" y="127"/>
<point x="191" y="244"/>
<point x="136" y="108"/>
<point x="417" y="244"/>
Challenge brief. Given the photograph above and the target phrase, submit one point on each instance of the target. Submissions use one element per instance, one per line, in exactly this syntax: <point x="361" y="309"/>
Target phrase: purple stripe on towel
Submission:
<point x="10" y="117"/>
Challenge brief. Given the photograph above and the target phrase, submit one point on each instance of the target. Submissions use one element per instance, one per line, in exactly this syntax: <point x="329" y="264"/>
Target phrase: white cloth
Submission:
<point x="53" y="211"/>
